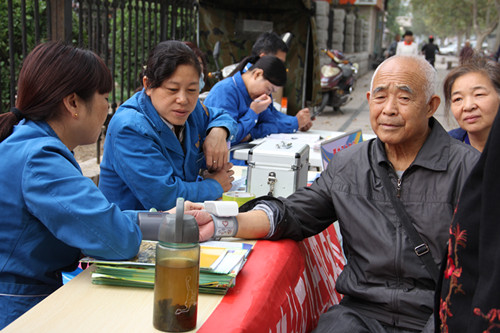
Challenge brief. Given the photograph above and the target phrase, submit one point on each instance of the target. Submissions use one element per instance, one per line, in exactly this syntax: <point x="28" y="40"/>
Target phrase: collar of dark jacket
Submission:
<point x="433" y="155"/>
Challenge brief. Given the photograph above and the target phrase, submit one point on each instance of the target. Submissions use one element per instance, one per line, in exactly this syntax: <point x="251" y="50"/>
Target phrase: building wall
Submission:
<point x="354" y="32"/>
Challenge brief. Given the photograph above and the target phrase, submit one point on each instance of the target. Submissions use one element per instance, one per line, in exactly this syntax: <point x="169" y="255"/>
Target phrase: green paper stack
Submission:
<point x="220" y="263"/>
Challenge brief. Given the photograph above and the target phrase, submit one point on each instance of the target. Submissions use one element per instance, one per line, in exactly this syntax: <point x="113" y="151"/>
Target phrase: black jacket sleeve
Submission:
<point x="305" y="213"/>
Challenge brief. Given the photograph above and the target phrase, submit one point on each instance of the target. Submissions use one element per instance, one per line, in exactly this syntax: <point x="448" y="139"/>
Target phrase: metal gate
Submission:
<point x="122" y="32"/>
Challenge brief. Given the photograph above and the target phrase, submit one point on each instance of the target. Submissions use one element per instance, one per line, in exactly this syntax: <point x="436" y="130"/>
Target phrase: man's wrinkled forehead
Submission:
<point x="399" y="74"/>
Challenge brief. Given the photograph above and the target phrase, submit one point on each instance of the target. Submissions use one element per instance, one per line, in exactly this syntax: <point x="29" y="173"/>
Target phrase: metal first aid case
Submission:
<point x="277" y="167"/>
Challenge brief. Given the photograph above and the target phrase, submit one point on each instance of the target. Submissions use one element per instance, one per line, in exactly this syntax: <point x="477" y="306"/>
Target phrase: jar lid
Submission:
<point x="179" y="228"/>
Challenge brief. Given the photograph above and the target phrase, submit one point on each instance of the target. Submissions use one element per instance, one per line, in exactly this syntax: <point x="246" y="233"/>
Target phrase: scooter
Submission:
<point x="337" y="81"/>
<point x="219" y="74"/>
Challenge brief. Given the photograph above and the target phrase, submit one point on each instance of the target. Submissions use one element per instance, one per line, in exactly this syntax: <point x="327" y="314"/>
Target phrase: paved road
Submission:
<point x="356" y="114"/>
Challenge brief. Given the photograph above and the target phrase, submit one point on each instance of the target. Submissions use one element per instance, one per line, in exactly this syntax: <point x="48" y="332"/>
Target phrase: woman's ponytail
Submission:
<point x="8" y="121"/>
<point x="250" y="59"/>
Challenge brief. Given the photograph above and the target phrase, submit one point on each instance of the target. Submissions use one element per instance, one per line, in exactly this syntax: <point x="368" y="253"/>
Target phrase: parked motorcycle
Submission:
<point x="217" y="74"/>
<point x="337" y="81"/>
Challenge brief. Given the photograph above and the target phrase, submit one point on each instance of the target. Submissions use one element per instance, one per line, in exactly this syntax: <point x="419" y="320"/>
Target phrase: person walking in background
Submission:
<point x="430" y="49"/>
<point x="407" y="46"/>
<point x="472" y="92"/>
<point x="391" y="50"/>
<point x="466" y="53"/>
<point x="497" y="54"/>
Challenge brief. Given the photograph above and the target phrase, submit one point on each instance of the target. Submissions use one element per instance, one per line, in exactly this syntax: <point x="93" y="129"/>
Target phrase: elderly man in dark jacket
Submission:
<point x="387" y="286"/>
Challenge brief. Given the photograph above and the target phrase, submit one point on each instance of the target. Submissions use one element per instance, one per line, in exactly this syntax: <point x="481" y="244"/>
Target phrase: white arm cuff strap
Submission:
<point x="225" y="226"/>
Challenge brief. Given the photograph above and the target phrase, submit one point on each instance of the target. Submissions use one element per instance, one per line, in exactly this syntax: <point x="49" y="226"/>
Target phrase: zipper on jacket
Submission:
<point x="398" y="190"/>
<point x="400" y="180"/>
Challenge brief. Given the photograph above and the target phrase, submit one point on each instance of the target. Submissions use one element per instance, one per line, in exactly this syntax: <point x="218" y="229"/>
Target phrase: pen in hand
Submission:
<point x="261" y="103"/>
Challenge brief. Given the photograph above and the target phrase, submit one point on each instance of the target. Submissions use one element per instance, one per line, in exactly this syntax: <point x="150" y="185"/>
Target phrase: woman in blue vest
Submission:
<point x="160" y="138"/>
<point x="50" y="213"/>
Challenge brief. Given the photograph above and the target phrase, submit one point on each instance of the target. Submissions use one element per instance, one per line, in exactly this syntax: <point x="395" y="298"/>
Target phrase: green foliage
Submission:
<point x="453" y="17"/>
<point x="138" y="30"/>
<point x="394" y="9"/>
<point x="5" y="75"/>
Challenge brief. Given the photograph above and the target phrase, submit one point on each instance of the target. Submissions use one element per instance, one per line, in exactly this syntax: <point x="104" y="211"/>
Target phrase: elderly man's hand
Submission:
<point x="188" y="205"/>
<point x="215" y="149"/>
<point x="205" y="223"/>
<point x="304" y="119"/>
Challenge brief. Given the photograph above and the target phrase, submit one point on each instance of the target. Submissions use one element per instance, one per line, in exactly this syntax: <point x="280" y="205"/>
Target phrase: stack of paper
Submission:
<point x="220" y="262"/>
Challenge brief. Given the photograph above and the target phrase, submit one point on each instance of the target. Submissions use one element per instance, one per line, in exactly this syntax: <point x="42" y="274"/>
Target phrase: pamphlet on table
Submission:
<point x="220" y="263"/>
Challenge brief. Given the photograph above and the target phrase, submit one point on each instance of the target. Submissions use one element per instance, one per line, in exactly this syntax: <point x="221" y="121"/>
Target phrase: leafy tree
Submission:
<point x="18" y="47"/>
<point x="458" y="17"/>
<point x="138" y="26"/>
<point x="394" y="9"/>
<point x="485" y="19"/>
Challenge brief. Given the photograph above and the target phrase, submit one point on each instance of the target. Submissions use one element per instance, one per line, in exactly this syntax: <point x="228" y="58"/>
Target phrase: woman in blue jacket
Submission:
<point x="160" y="138"/>
<point x="246" y="96"/>
<point x="51" y="213"/>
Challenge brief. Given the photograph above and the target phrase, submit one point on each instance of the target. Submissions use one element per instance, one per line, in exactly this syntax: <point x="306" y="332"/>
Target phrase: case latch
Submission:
<point x="271" y="180"/>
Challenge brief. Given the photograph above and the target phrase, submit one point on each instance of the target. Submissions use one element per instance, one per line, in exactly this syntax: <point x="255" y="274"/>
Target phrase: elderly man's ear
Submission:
<point x="433" y="105"/>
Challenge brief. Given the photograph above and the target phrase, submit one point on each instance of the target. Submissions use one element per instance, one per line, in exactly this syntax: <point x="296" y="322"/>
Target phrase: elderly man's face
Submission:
<point x="399" y="111"/>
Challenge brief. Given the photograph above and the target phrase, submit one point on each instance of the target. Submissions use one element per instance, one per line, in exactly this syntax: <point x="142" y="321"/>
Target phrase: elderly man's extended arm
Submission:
<point x="305" y="213"/>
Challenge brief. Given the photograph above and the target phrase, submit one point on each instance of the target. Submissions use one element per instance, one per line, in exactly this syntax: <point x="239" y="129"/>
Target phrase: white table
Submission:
<point x="311" y="137"/>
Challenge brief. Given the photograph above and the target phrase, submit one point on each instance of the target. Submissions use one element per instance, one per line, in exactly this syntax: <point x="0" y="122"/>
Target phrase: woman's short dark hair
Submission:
<point x="164" y="60"/>
<point x="476" y="64"/>
<point x="269" y="43"/>
<point x="273" y="68"/>
<point x="50" y="72"/>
